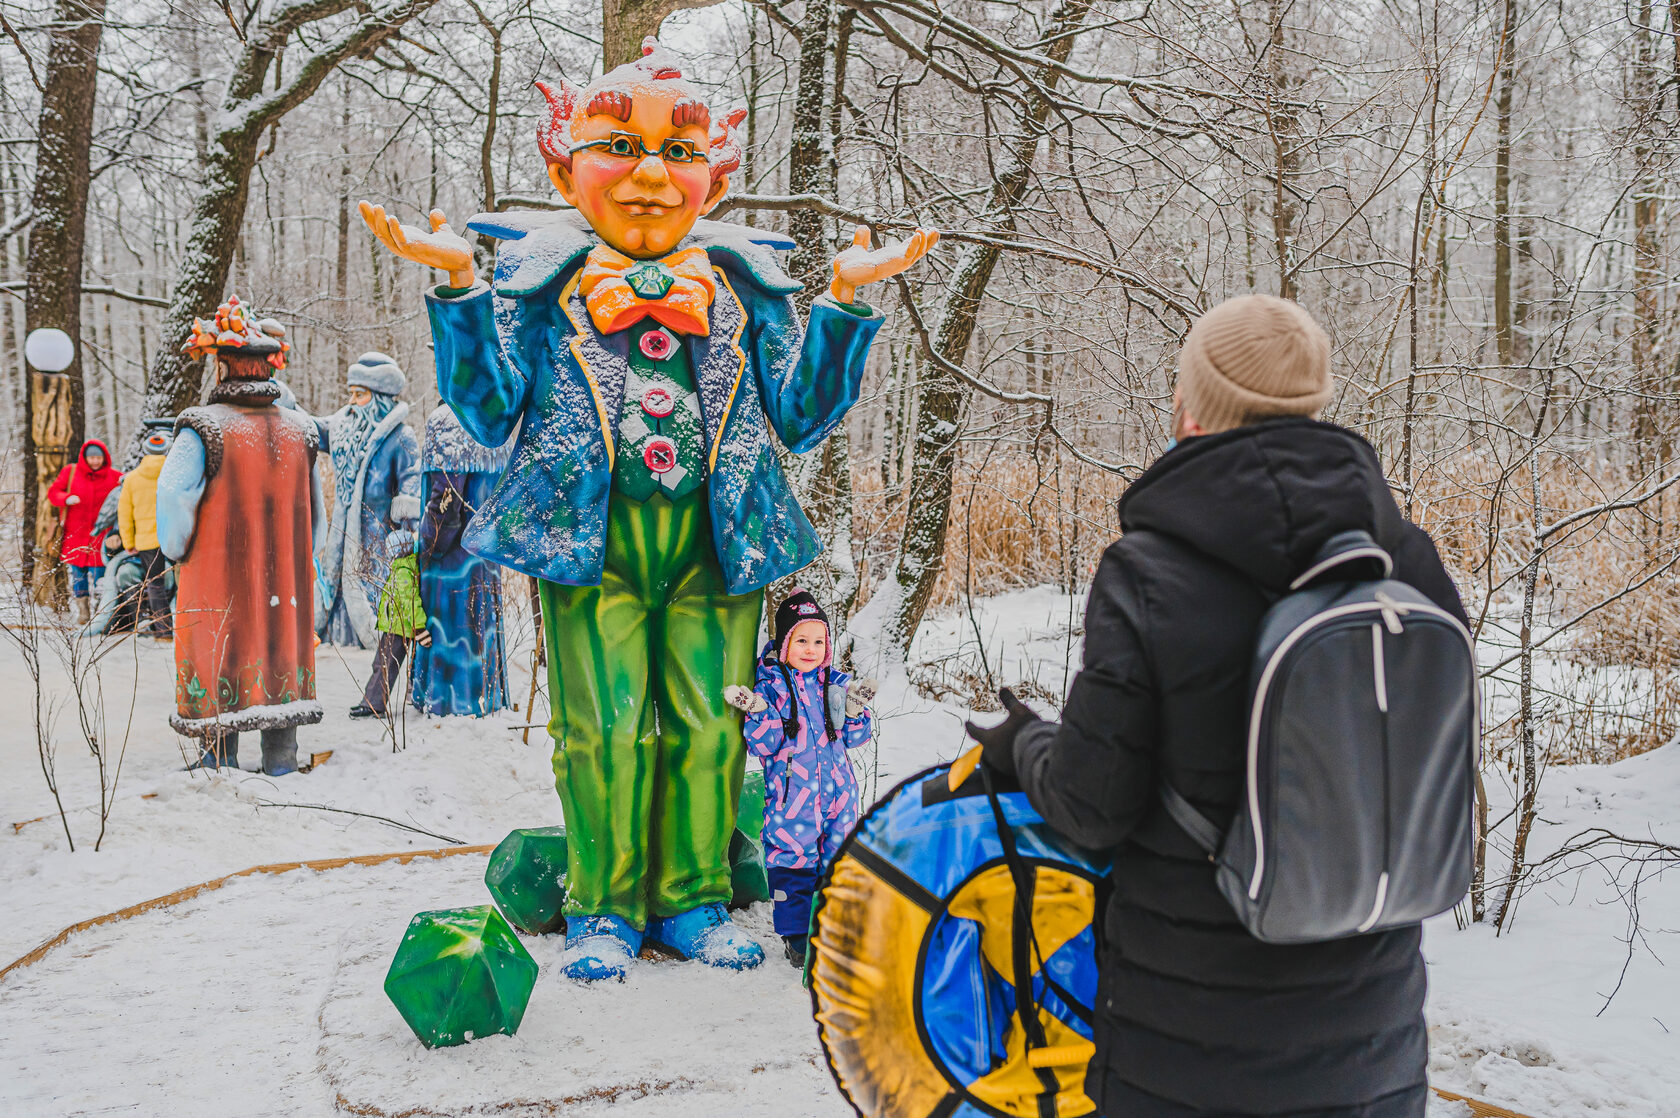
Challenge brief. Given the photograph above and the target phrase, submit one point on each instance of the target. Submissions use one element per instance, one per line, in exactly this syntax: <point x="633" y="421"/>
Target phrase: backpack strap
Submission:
<point x="1201" y="831"/>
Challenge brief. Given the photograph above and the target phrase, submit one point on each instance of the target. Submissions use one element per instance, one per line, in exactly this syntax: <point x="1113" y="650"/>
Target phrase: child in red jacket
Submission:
<point x="80" y="489"/>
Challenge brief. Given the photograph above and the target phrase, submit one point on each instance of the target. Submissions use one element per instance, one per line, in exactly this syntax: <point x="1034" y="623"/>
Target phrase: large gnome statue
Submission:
<point x="237" y="504"/>
<point x="463" y="670"/>
<point x="646" y="357"/>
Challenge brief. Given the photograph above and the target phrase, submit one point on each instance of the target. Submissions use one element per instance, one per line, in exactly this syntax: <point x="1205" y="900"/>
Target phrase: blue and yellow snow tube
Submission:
<point x="917" y="964"/>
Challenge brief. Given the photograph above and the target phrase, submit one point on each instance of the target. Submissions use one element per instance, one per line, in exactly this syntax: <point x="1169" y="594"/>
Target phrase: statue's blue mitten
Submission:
<point x="599" y="947"/>
<point x="706" y="935"/>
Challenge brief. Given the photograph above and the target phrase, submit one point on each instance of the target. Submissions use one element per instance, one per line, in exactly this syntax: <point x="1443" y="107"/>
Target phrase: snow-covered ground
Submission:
<point x="264" y="997"/>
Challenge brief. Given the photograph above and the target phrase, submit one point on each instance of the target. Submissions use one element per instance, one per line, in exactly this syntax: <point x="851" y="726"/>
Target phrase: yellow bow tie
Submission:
<point x="675" y="291"/>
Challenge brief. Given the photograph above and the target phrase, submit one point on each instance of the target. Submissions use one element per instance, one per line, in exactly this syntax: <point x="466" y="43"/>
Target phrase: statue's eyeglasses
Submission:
<point x="631" y="146"/>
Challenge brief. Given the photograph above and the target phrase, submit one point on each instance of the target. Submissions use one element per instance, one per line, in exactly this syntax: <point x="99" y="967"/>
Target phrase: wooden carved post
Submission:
<point x="54" y="407"/>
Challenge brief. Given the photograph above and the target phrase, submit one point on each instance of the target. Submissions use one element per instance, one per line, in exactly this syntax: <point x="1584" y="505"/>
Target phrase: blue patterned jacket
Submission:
<point x="527" y="355"/>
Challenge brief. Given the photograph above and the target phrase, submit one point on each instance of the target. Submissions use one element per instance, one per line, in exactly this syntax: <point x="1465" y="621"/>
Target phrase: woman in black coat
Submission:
<point x="1194" y="1015"/>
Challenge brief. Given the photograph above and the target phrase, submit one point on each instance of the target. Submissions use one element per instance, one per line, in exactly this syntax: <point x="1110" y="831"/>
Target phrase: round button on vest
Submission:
<point x="660" y="454"/>
<point x="658" y="401"/>
<point x="657" y="344"/>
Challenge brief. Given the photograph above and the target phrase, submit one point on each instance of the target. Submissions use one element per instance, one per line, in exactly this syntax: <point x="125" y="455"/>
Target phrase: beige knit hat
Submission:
<point x="1252" y="358"/>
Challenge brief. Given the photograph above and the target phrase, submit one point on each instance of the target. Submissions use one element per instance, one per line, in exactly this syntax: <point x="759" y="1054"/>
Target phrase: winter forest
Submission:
<point x="1474" y="198"/>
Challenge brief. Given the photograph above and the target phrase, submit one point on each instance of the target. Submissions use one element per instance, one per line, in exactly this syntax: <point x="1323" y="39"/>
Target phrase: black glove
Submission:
<point x="998" y="742"/>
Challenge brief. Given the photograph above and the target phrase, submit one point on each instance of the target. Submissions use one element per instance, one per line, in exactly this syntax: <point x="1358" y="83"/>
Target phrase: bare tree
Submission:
<point x="1504" y="330"/>
<point x="941" y="395"/>
<point x="54" y="405"/>
<point x="248" y="108"/>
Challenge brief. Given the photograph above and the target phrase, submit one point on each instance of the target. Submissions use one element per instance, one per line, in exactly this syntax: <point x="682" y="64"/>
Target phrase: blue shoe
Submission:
<point x="599" y="947"/>
<point x="706" y="935"/>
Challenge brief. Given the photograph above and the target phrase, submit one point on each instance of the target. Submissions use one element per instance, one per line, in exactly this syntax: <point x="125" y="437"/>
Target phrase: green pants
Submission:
<point x="648" y="758"/>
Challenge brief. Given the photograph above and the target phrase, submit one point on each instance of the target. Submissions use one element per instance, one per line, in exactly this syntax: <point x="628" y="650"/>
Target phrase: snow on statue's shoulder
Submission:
<point x="537" y="245"/>
<point x="749" y="253"/>
<point x="514" y="225"/>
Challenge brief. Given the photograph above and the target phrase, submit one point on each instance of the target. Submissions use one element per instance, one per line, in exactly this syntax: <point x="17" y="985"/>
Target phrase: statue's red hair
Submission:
<point x="610" y="95"/>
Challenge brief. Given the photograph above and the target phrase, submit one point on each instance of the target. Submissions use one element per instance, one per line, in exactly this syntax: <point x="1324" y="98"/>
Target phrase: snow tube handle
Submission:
<point x="1055" y="1056"/>
<point x="963" y="768"/>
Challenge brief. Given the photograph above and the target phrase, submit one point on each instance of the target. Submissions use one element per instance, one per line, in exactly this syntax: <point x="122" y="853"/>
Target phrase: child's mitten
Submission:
<point x="858" y="695"/>
<point x="744" y="698"/>
<point x="849" y="700"/>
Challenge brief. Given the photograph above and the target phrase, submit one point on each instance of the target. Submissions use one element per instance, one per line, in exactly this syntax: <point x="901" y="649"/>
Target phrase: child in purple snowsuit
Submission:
<point x="803" y="714"/>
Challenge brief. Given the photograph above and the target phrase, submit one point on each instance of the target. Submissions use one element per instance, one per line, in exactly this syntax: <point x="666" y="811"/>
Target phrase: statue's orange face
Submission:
<point x="642" y="183"/>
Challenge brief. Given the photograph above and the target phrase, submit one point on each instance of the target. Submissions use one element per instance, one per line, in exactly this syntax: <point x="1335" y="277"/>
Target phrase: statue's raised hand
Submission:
<point x="441" y="248"/>
<point x="860" y="264"/>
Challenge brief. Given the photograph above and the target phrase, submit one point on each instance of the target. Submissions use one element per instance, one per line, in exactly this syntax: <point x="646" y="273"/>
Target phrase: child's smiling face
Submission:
<point x="807" y="646"/>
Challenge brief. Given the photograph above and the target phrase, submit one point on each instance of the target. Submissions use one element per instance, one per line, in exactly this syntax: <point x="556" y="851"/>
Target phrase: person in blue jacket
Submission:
<point x="650" y="361"/>
<point x="803" y="716"/>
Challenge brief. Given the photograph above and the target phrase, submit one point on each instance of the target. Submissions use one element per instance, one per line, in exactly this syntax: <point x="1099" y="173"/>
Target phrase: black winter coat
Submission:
<point x="1195" y="1015"/>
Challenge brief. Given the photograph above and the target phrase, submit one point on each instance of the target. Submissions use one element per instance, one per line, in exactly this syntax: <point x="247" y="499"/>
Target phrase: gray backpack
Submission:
<point x="1362" y="741"/>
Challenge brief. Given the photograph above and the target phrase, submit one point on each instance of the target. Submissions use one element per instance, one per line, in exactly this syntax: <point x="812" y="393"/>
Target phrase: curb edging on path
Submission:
<point x="191" y="891"/>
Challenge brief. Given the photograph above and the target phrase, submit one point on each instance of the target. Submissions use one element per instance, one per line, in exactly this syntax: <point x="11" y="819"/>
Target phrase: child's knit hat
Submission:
<point x="796" y="607"/>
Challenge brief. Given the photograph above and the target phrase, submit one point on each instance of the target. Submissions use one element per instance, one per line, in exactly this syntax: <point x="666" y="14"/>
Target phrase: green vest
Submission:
<point x="661" y="438"/>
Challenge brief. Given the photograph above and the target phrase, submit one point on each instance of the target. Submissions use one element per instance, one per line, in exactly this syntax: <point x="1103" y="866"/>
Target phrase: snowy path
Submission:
<point x="264" y="998"/>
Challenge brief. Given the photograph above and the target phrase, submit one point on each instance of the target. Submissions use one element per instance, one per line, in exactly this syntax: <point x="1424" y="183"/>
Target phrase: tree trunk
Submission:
<point x="1503" y="318"/>
<point x="836" y="103"/>
<point x="11" y="349"/>
<point x="625" y="23"/>
<point x="484" y="248"/>
<point x="1284" y="123"/>
<point x="492" y="101"/>
<point x="1525" y="716"/>
<point x="176" y="380"/>
<point x="1649" y="448"/>
<point x="341" y="263"/>
<point x="808" y="165"/>
<point x="54" y="403"/>
<point x="940" y="396"/>
<point x="822" y="479"/>
<point x="106" y="377"/>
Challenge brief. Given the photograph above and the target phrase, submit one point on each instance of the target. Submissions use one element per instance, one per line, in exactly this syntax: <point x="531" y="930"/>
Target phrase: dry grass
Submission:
<point x="1015" y="522"/>
<point x="1606" y="689"/>
<point x="1609" y="686"/>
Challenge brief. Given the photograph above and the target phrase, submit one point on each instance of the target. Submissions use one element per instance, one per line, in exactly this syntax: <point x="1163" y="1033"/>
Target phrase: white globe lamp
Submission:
<point x="50" y="350"/>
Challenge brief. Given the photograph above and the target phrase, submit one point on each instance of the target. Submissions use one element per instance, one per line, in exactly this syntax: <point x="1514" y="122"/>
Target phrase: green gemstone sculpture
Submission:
<point x="459" y="974"/>
<point x="748" y="880"/>
<point x="527" y="877"/>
